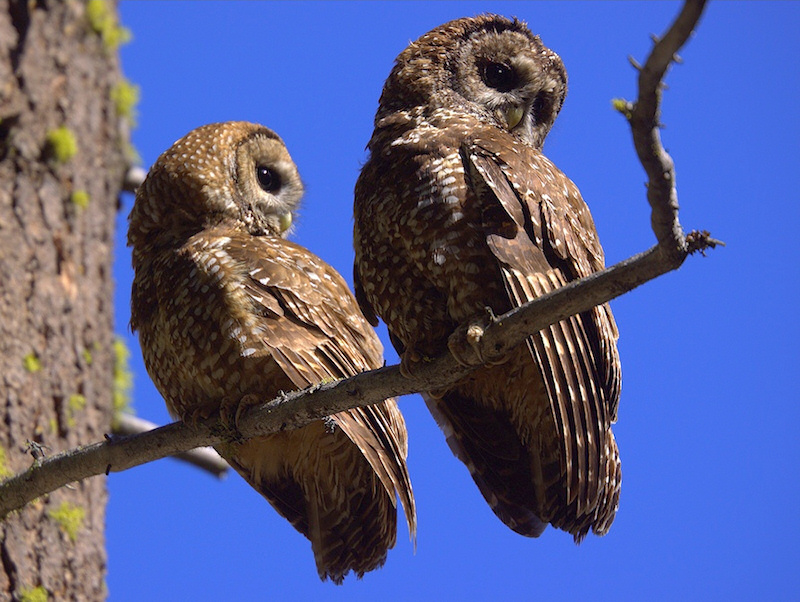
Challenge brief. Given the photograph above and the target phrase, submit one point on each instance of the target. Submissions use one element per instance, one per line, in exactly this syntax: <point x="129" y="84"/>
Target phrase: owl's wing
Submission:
<point x="545" y="237"/>
<point x="361" y="299"/>
<point x="308" y="321"/>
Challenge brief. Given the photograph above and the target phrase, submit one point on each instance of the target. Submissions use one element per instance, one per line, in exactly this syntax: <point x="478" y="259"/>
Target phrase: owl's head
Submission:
<point x="488" y="66"/>
<point x="234" y="173"/>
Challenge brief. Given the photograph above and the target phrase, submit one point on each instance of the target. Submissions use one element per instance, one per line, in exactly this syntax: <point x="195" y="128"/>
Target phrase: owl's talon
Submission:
<point x="197" y="415"/>
<point x="231" y="410"/>
<point x="465" y="345"/>
<point x="408" y="362"/>
<point x="227" y="412"/>
<point x="247" y="402"/>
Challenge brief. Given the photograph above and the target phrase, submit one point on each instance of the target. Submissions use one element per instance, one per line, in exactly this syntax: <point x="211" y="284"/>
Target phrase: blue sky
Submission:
<point x="709" y="404"/>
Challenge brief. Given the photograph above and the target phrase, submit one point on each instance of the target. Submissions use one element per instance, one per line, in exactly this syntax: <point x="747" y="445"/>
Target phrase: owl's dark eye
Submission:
<point x="540" y="108"/>
<point x="267" y="179"/>
<point x="499" y="76"/>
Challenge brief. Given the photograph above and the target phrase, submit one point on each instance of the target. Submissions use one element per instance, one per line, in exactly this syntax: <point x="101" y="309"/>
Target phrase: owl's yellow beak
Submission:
<point x="285" y="222"/>
<point x="513" y="116"/>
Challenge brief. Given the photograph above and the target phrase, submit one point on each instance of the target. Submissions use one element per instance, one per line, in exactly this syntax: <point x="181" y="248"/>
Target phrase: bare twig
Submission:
<point x="202" y="457"/>
<point x="644" y="120"/>
<point x="501" y="334"/>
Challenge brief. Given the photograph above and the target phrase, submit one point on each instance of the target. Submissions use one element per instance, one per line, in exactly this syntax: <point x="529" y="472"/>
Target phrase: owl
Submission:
<point x="230" y="313"/>
<point x="458" y="216"/>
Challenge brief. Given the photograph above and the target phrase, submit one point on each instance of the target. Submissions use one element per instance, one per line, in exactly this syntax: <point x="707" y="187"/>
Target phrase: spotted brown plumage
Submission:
<point x="228" y="311"/>
<point x="457" y="210"/>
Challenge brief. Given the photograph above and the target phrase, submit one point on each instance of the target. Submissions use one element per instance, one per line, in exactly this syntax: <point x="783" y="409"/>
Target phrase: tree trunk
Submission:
<point x="62" y="162"/>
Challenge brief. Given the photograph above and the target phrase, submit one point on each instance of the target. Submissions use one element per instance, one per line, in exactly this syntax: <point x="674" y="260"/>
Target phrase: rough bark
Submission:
<point x="56" y="237"/>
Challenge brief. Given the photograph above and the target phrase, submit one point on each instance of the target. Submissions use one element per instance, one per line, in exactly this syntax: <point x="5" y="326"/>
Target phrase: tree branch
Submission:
<point x="645" y="123"/>
<point x="296" y="409"/>
<point x="133" y="178"/>
<point x="205" y="458"/>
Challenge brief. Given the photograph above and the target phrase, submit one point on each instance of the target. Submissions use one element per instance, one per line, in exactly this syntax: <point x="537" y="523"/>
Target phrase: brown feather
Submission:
<point x="319" y="340"/>
<point x="573" y="369"/>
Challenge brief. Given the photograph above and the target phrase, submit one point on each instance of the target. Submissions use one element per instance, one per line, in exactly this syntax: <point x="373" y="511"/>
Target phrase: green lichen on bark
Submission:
<point x="32" y="363"/>
<point x="62" y="144"/>
<point x="5" y="471"/>
<point x="69" y="518"/>
<point x="80" y="198"/>
<point x="123" y="379"/>
<point x="36" y="594"/>
<point x="125" y="96"/>
<point x="103" y="21"/>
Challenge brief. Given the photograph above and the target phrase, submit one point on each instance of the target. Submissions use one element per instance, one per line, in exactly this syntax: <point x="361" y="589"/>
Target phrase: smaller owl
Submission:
<point x="229" y="312"/>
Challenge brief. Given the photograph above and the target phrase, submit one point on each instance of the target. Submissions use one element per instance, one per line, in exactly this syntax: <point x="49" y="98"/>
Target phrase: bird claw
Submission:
<point x="197" y="415"/>
<point x="232" y="410"/>
<point x="408" y="362"/>
<point x="465" y="345"/>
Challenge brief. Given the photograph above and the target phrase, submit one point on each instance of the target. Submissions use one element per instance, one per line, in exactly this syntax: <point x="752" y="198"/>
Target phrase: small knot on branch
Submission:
<point x="36" y="449"/>
<point x="622" y="106"/>
<point x="698" y="241"/>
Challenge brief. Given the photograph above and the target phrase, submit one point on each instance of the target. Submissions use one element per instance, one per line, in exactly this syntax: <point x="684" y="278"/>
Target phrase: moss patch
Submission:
<point x="69" y="518"/>
<point x="125" y="96"/>
<point x="80" y="198"/>
<point x="36" y="594"/>
<point x="5" y="471"/>
<point x="103" y="21"/>
<point x="32" y="362"/>
<point x="76" y="403"/>
<point x="123" y="379"/>
<point x="62" y="144"/>
<point x="623" y="106"/>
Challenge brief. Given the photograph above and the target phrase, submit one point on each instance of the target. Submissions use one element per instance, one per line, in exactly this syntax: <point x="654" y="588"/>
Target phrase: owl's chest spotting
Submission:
<point x="440" y="271"/>
<point x="193" y="345"/>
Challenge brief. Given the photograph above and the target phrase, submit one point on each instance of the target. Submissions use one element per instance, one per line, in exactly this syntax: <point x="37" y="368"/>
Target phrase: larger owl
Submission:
<point x="230" y="313"/>
<point x="457" y="210"/>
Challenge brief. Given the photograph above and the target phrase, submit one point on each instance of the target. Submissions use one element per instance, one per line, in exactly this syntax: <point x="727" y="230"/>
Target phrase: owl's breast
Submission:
<point x="420" y="239"/>
<point x="196" y="343"/>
